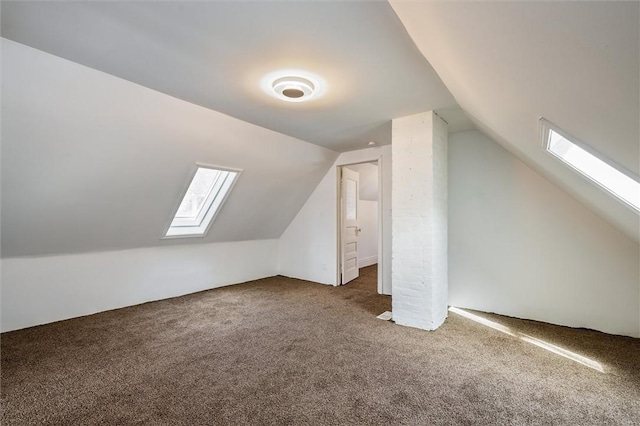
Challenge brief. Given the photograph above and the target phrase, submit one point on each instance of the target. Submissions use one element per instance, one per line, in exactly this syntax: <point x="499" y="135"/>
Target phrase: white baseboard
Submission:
<point x="367" y="261"/>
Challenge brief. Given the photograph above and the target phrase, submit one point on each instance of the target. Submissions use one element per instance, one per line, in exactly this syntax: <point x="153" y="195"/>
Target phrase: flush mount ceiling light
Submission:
<point x="293" y="85"/>
<point x="293" y="89"/>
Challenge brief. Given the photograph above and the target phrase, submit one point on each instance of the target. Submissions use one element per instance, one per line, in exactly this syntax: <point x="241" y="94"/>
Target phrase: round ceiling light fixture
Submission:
<point x="293" y="89"/>
<point x="293" y="85"/>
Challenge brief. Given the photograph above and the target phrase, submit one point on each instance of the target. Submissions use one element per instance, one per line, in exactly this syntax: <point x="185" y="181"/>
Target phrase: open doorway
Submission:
<point x="359" y="226"/>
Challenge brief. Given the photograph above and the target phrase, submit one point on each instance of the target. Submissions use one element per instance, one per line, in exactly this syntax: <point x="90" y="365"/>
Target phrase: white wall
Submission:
<point x="38" y="290"/>
<point x="368" y="238"/>
<point x="520" y="246"/>
<point x="96" y="165"/>
<point x="368" y="180"/>
<point x="308" y="247"/>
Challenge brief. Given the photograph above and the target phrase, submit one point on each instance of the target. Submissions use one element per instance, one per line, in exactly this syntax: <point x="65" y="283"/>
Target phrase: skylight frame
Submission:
<point x="546" y="127"/>
<point x="214" y="190"/>
<point x="212" y="207"/>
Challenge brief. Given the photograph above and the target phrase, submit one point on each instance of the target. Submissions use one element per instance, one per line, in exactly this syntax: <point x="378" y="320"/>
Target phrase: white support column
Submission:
<point x="419" y="220"/>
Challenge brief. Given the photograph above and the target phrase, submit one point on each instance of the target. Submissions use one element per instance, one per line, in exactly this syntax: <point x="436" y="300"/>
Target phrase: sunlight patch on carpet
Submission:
<point x="530" y="339"/>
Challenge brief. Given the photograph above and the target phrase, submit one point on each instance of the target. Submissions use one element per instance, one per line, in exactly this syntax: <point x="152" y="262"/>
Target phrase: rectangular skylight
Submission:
<point x="591" y="165"/>
<point x="202" y="201"/>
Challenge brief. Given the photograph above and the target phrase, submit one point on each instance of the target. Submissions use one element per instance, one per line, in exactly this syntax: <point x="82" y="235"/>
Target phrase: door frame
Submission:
<point x="378" y="159"/>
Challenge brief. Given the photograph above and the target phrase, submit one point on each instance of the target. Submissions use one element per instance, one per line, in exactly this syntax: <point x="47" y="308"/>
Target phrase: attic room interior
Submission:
<point x="206" y="206"/>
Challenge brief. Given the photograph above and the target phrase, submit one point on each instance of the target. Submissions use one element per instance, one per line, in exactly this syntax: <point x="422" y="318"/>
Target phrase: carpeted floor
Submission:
<point x="288" y="352"/>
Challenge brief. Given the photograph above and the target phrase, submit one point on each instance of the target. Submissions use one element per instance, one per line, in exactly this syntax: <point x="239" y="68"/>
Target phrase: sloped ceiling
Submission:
<point x="215" y="53"/>
<point x="92" y="162"/>
<point x="108" y="106"/>
<point x="574" y="63"/>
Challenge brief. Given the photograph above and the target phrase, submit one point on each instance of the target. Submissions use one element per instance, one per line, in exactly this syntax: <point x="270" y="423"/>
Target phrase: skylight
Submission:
<point x="591" y="165"/>
<point x="202" y="201"/>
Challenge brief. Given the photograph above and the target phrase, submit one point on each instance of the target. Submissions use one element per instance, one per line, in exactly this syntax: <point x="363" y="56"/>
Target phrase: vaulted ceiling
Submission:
<point x="96" y="149"/>
<point x="215" y="54"/>
<point x="576" y="64"/>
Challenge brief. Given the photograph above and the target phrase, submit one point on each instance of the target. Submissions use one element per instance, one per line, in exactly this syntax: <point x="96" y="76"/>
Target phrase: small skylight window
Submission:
<point x="591" y="165"/>
<point x="202" y="201"/>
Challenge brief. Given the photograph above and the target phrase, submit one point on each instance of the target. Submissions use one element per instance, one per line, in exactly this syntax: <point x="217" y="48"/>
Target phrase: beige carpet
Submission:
<point x="287" y="352"/>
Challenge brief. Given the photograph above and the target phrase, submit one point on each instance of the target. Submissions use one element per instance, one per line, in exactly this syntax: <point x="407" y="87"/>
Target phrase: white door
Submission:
<point x="350" y="187"/>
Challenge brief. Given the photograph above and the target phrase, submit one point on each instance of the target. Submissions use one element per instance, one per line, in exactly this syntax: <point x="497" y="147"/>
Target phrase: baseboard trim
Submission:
<point x="367" y="261"/>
